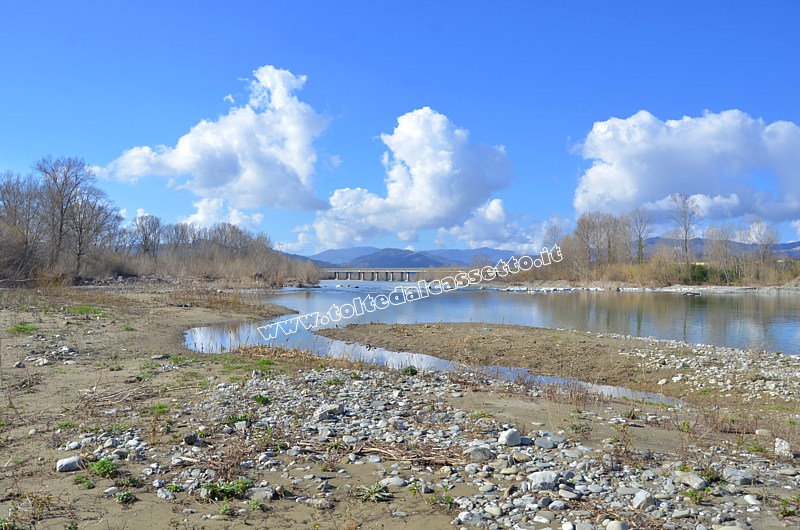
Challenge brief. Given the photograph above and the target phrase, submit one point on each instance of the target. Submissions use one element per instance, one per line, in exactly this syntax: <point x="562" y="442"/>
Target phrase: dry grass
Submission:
<point x="210" y="298"/>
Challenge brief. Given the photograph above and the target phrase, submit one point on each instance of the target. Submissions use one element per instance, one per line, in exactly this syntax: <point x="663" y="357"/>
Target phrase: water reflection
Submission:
<point x="224" y="338"/>
<point x="744" y="320"/>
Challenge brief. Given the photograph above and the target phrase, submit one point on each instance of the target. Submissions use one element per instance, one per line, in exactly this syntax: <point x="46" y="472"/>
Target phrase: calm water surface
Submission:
<point x="768" y="321"/>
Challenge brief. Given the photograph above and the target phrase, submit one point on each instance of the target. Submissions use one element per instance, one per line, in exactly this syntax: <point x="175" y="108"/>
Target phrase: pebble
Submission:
<point x="751" y="500"/>
<point x="507" y="480"/>
<point x="510" y="438"/>
<point x="164" y="493"/>
<point x="72" y="463"/>
<point x="544" y="443"/>
<point x="737" y="476"/>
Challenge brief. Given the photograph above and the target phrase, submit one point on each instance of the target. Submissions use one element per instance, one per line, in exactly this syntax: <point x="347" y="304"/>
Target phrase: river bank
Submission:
<point x="277" y="438"/>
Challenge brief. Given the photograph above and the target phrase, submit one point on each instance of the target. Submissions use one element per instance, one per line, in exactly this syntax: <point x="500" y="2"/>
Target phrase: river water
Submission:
<point x="769" y="321"/>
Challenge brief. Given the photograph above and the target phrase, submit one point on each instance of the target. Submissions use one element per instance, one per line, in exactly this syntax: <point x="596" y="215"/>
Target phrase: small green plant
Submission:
<point x="129" y="482"/>
<point x="355" y="375"/>
<point x="23" y="327"/>
<point x="784" y="510"/>
<point x="128" y="327"/>
<point x="159" y="408"/>
<point x="756" y="447"/>
<point x="174" y="488"/>
<point x="479" y="415"/>
<point x="125" y="497"/>
<point x="415" y="488"/>
<point x="105" y="468"/>
<point x="115" y="368"/>
<point x="71" y="526"/>
<point x="697" y="495"/>
<point x="85" y="310"/>
<point x="221" y="491"/>
<point x="711" y="474"/>
<point x="241" y="417"/>
<point x="257" y="506"/>
<point x="789" y="507"/>
<point x="83" y="481"/>
<point x="621" y="439"/>
<point x="335" y="445"/>
<point x="442" y="501"/>
<point x="581" y="428"/>
<point x="409" y="370"/>
<point x="684" y="468"/>
<point x="5" y="524"/>
<point x="226" y="509"/>
<point x="373" y="493"/>
<point x="146" y="376"/>
<point x="261" y="399"/>
<point x="118" y="426"/>
<point x="66" y="425"/>
<point x="264" y="365"/>
<point x="334" y="381"/>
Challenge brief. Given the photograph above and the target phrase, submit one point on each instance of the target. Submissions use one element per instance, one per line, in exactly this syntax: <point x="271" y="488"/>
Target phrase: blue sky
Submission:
<point x="415" y="124"/>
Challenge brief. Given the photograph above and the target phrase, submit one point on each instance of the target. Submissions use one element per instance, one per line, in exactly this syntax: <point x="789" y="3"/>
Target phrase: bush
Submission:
<point x="699" y="273"/>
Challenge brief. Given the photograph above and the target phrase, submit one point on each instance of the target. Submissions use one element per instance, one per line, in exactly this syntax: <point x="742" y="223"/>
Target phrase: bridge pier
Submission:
<point x="377" y="274"/>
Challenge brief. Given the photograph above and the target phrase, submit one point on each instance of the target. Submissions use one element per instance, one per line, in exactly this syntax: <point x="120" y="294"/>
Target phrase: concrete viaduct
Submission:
<point x="385" y="274"/>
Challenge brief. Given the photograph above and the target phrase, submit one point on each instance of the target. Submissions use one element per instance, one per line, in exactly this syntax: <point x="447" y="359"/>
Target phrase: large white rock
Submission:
<point x="783" y="449"/>
<point x="510" y="438"/>
<point x="691" y="479"/>
<point x="543" y="480"/>
<point x="642" y="500"/>
<point x="72" y="463"/>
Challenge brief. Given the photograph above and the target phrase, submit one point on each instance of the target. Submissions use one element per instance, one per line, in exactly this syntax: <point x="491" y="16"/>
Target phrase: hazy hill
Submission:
<point x="698" y="245"/>
<point x="467" y="256"/>
<point x="395" y="257"/>
<point x="343" y="256"/>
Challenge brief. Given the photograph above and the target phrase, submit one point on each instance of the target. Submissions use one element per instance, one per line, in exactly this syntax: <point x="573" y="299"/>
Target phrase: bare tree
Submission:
<point x="641" y="223"/>
<point x="588" y="236"/>
<point x="233" y="239"/>
<point x="764" y="235"/>
<point x="604" y="224"/>
<point x="124" y="240"/>
<point x="92" y="221"/>
<point x="553" y="235"/>
<point x="148" y="233"/>
<point x="21" y="216"/>
<point x="717" y="250"/>
<point x="61" y="180"/>
<point x="686" y="215"/>
<point x="180" y="237"/>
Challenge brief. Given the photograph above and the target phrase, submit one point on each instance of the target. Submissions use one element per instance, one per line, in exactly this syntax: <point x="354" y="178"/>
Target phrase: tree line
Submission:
<point x="55" y="223"/>
<point x="608" y="247"/>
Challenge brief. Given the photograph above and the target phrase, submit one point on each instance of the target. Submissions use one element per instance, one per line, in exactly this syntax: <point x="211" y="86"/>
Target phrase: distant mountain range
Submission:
<point x="395" y="257"/>
<point x="698" y="246"/>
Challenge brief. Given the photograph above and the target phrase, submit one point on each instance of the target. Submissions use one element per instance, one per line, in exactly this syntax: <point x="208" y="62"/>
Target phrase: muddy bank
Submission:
<point x="696" y="373"/>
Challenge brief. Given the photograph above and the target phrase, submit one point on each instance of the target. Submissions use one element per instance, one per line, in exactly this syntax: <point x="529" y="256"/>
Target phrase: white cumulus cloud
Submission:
<point x="435" y="177"/>
<point x="796" y="226"/>
<point x="492" y="226"/>
<point x="258" y="154"/>
<point x="212" y="211"/>
<point x="720" y="159"/>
